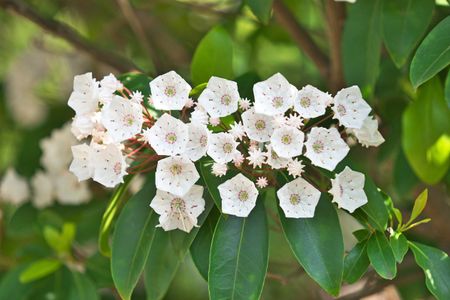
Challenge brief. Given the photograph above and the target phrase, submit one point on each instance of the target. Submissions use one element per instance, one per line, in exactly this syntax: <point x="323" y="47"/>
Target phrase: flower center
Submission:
<point x="171" y="138"/>
<point x="227" y="148"/>
<point x="294" y="199"/>
<point x="341" y="110"/>
<point x="277" y="102"/>
<point x="177" y="205"/>
<point x="170" y="91"/>
<point x="117" y="168"/>
<point x="318" y="146"/>
<point x="243" y="196"/>
<point x="260" y="125"/>
<point x="203" y="141"/>
<point x="305" y="102"/>
<point x="226" y="99"/>
<point x="128" y="120"/>
<point x="175" y="169"/>
<point x="286" y="139"/>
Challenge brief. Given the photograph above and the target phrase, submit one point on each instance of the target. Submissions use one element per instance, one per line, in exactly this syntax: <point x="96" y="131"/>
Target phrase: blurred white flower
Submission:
<point x="70" y="191"/>
<point x="348" y="190"/>
<point x="350" y="108"/>
<point x="220" y="97"/>
<point x="176" y="175"/>
<point x="238" y="196"/>
<point x="14" y="188"/>
<point x="43" y="190"/>
<point x="137" y="183"/>
<point x="298" y="199"/>
<point x="169" y="91"/>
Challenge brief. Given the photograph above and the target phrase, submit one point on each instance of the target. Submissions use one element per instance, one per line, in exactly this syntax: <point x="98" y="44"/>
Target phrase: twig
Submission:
<point x="335" y="12"/>
<point x="69" y="34"/>
<point x="301" y="37"/>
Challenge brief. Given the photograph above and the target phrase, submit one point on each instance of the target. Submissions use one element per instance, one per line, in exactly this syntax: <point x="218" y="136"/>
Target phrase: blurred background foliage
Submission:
<point x="241" y="39"/>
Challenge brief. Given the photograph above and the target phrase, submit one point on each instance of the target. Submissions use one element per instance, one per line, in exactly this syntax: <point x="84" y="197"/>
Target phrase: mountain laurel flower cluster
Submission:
<point x="282" y="131"/>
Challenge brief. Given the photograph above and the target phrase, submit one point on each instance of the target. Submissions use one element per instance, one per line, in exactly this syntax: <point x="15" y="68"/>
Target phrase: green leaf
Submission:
<point x="404" y="23"/>
<point x="361" y="44"/>
<point x="213" y="56"/>
<point x="132" y="239"/>
<point x="425" y="138"/>
<point x="98" y="268"/>
<point x="381" y="256"/>
<point x="447" y="90"/>
<point x="436" y="267"/>
<point x="356" y="263"/>
<point x="22" y="222"/>
<point x="261" y="9"/>
<point x="112" y="210"/>
<point x="39" y="269"/>
<point x="196" y="91"/>
<point x="399" y="245"/>
<point x="419" y="205"/>
<point x="167" y="251"/>
<point x="60" y="242"/>
<point x="82" y="288"/>
<point x="375" y="209"/>
<point x="239" y="256"/>
<point x="11" y="287"/>
<point x="361" y="234"/>
<point x="433" y="54"/>
<point x="318" y="245"/>
<point x="201" y="246"/>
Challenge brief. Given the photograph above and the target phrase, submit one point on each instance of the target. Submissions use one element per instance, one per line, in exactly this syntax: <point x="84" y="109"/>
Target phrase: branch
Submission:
<point x="301" y="37"/>
<point x="69" y="34"/>
<point x="335" y="12"/>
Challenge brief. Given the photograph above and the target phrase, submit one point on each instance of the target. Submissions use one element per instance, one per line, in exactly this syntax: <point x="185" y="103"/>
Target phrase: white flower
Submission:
<point x="298" y="199"/>
<point x="295" y="168"/>
<point x="259" y="127"/>
<point x="70" y="191"/>
<point x="176" y="174"/>
<point x="350" y="108"/>
<point x="82" y="165"/>
<point x="109" y="164"/>
<point x="214" y="121"/>
<point x="83" y="125"/>
<point x="279" y="121"/>
<point x="197" y="144"/>
<point x="14" y="188"/>
<point x="274" y="160"/>
<point x="179" y="212"/>
<point x="311" y="102"/>
<point x="261" y="182"/>
<point x="169" y="91"/>
<point x="348" y="190"/>
<point x="256" y="158"/>
<point x="238" y="159"/>
<point x="287" y="141"/>
<point x="238" y="196"/>
<point x="222" y="147"/>
<point x="294" y="120"/>
<point x="108" y="86"/>
<point x="237" y="130"/>
<point x="325" y="147"/>
<point x="219" y="170"/>
<point x="244" y="103"/>
<point x="190" y="103"/>
<point x="84" y="98"/>
<point x="137" y="97"/>
<point x="274" y="96"/>
<point x="220" y="98"/>
<point x="199" y="115"/>
<point x="56" y="153"/>
<point x="42" y="185"/>
<point x="168" y="136"/>
<point x="368" y="135"/>
<point x="122" y="118"/>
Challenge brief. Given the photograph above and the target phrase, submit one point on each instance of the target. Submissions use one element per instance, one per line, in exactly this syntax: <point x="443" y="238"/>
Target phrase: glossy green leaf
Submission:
<point x="40" y="269"/>
<point x="447" y="90"/>
<point x="419" y="205"/>
<point x="404" y="23"/>
<point x="361" y="234"/>
<point x="361" y="44"/>
<point x="436" y="267"/>
<point x="381" y="256"/>
<point x="426" y="128"/>
<point x="132" y="239"/>
<point x="433" y="54"/>
<point x="82" y="288"/>
<point x="375" y="210"/>
<point x="201" y="245"/>
<point x="318" y="245"/>
<point x="213" y="56"/>
<point x="98" y="268"/>
<point x="399" y="245"/>
<point x="239" y="256"/>
<point x="356" y="263"/>
<point x="110" y="214"/>
<point x="167" y="251"/>
<point x="261" y="9"/>
<point x="11" y="287"/>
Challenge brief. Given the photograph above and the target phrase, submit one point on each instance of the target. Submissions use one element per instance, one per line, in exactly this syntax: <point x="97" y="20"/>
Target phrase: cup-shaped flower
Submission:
<point x="84" y="97"/>
<point x="350" y="108"/>
<point x="82" y="165"/>
<point x="298" y="199"/>
<point x="109" y="164"/>
<point x="176" y="175"/>
<point x="238" y="196"/>
<point x="274" y="160"/>
<point x="259" y="127"/>
<point x="368" y="135"/>
<point x="169" y="91"/>
<point x="348" y="190"/>
<point x="222" y="147"/>
<point x="220" y="98"/>
<point x="197" y="144"/>
<point x="311" y="102"/>
<point x="287" y="141"/>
